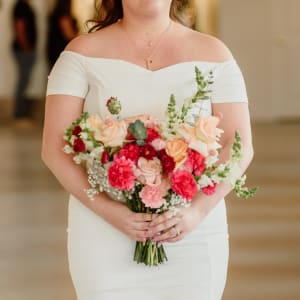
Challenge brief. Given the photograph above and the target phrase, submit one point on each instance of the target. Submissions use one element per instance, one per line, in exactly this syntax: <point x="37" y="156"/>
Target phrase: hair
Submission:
<point x="110" y="11"/>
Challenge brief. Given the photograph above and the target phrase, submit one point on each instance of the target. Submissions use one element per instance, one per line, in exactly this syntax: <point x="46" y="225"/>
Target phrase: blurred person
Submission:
<point x="141" y="52"/>
<point x="24" y="49"/>
<point x="62" y="29"/>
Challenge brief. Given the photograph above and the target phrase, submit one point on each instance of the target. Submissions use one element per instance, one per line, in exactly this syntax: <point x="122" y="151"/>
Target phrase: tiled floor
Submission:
<point x="264" y="232"/>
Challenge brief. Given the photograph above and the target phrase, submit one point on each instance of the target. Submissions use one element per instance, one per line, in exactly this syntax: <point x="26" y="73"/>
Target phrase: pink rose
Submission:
<point x="121" y="174"/>
<point x="158" y="144"/>
<point x="184" y="184"/>
<point x="148" y="172"/>
<point x="152" y="196"/>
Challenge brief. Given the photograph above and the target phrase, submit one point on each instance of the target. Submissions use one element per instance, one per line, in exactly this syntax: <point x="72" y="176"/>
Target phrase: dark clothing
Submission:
<point x="56" y="39"/>
<point x="23" y="10"/>
<point x="25" y="62"/>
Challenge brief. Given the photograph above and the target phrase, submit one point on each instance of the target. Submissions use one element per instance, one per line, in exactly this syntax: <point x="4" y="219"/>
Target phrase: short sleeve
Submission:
<point x="68" y="76"/>
<point x="229" y="85"/>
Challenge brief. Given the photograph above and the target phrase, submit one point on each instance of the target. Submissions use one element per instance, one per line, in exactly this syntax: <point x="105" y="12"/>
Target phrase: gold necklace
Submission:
<point x="150" y="44"/>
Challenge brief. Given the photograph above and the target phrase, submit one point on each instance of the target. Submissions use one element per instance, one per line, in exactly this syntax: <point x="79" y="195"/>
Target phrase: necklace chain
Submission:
<point x="150" y="44"/>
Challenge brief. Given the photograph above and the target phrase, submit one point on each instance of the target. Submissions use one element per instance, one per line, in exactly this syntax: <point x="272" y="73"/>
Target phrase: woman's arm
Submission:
<point x="235" y="116"/>
<point x="61" y="111"/>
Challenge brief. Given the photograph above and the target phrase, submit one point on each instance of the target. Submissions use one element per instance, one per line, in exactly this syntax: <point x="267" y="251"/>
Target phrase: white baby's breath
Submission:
<point x="68" y="149"/>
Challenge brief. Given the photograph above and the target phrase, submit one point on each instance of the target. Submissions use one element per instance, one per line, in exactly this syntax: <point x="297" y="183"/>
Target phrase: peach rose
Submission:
<point x="204" y="136"/>
<point x="111" y="133"/>
<point x="177" y="148"/>
<point x="148" y="172"/>
<point x="206" y="129"/>
<point x="95" y="121"/>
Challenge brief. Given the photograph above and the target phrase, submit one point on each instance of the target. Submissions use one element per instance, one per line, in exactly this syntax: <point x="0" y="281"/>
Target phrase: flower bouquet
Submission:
<point x="155" y="165"/>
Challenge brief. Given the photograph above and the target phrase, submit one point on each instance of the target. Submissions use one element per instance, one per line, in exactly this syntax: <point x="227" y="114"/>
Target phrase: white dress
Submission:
<point x="100" y="257"/>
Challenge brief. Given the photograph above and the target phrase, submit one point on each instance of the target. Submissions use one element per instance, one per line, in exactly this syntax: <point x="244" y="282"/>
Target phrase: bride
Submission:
<point x="140" y="52"/>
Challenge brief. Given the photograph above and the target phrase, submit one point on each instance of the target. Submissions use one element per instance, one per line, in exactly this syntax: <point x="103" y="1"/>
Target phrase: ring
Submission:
<point x="177" y="232"/>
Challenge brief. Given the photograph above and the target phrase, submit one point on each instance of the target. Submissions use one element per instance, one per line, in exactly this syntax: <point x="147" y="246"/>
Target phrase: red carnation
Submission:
<point x="105" y="157"/>
<point x="130" y="137"/>
<point x="152" y="135"/>
<point x="129" y="151"/>
<point x="79" y="145"/>
<point x="209" y="190"/>
<point x="195" y="162"/>
<point x="184" y="184"/>
<point x="120" y="174"/>
<point x="76" y="130"/>
<point x="167" y="162"/>
<point x="147" y="151"/>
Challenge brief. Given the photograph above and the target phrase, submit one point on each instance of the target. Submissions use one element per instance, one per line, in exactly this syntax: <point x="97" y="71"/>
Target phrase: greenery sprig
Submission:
<point x="175" y="116"/>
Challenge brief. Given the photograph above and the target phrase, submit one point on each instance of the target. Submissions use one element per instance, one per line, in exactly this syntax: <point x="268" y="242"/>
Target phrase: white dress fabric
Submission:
<point x="101" y="257"/>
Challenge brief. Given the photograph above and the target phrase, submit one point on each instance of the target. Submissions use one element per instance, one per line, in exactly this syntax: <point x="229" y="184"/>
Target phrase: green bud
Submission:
<point x="114" y="105"/>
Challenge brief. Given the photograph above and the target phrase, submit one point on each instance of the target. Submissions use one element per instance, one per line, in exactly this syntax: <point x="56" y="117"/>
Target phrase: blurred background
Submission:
<point x="264" y="36"/>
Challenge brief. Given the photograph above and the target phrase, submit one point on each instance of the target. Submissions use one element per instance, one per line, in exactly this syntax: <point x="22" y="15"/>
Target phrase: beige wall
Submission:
<point x="264" y="36"/>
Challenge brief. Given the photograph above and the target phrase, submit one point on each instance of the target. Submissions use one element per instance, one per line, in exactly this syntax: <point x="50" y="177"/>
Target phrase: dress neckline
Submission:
<point x="128" y="63"/>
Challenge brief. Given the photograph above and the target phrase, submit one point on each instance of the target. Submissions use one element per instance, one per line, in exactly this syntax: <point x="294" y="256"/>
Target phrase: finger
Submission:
<point x="137" y="235"/>
<point x="175" y="239"/>
<point x="167" y="235"/>
<point x="141" y="217"/>
<point x="143" y="226"/>
<point x="165" y="225"/>
<point x="160" y="218"/>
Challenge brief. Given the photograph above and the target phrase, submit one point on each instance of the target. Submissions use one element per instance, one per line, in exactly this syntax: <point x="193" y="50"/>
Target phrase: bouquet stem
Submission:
<point x="149" y="253"/>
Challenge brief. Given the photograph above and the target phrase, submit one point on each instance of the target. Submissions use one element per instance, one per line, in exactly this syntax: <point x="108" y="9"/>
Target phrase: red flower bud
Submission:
<point x="76" y="130"/>
<point x="79" y="145"/>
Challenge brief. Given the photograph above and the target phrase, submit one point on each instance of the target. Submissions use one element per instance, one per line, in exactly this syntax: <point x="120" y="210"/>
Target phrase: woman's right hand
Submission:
<point x="134" y="225"/>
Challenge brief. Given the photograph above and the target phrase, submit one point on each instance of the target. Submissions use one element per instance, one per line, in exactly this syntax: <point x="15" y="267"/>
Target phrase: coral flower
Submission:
<point x="121" y="175"/>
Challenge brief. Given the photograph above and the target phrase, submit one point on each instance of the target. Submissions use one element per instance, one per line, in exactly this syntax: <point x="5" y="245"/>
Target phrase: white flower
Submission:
<point x="204" y="181"/>
<point x="84" y="135"/>
<point x="68" y="149"/>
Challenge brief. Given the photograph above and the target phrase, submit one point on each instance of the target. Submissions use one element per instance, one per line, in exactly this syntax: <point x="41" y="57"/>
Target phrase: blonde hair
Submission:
<point x="110" y="11"/>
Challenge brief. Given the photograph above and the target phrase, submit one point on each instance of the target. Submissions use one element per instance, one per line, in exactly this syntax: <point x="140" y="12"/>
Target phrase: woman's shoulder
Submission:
<point x="91" y="44"/>
<point x="206" y="47"/>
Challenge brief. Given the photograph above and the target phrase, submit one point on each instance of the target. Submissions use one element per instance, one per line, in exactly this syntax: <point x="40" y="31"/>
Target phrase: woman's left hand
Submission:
<point x="167" y="227"/>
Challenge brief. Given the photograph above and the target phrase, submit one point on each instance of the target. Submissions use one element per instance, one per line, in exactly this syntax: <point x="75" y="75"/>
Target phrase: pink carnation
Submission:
<point x="195" y="162"/>
<point x="120" y="174"/>
<point x="184" y="184"/>
<point x="209" y="190"/>
<point x="152" y="196"/>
